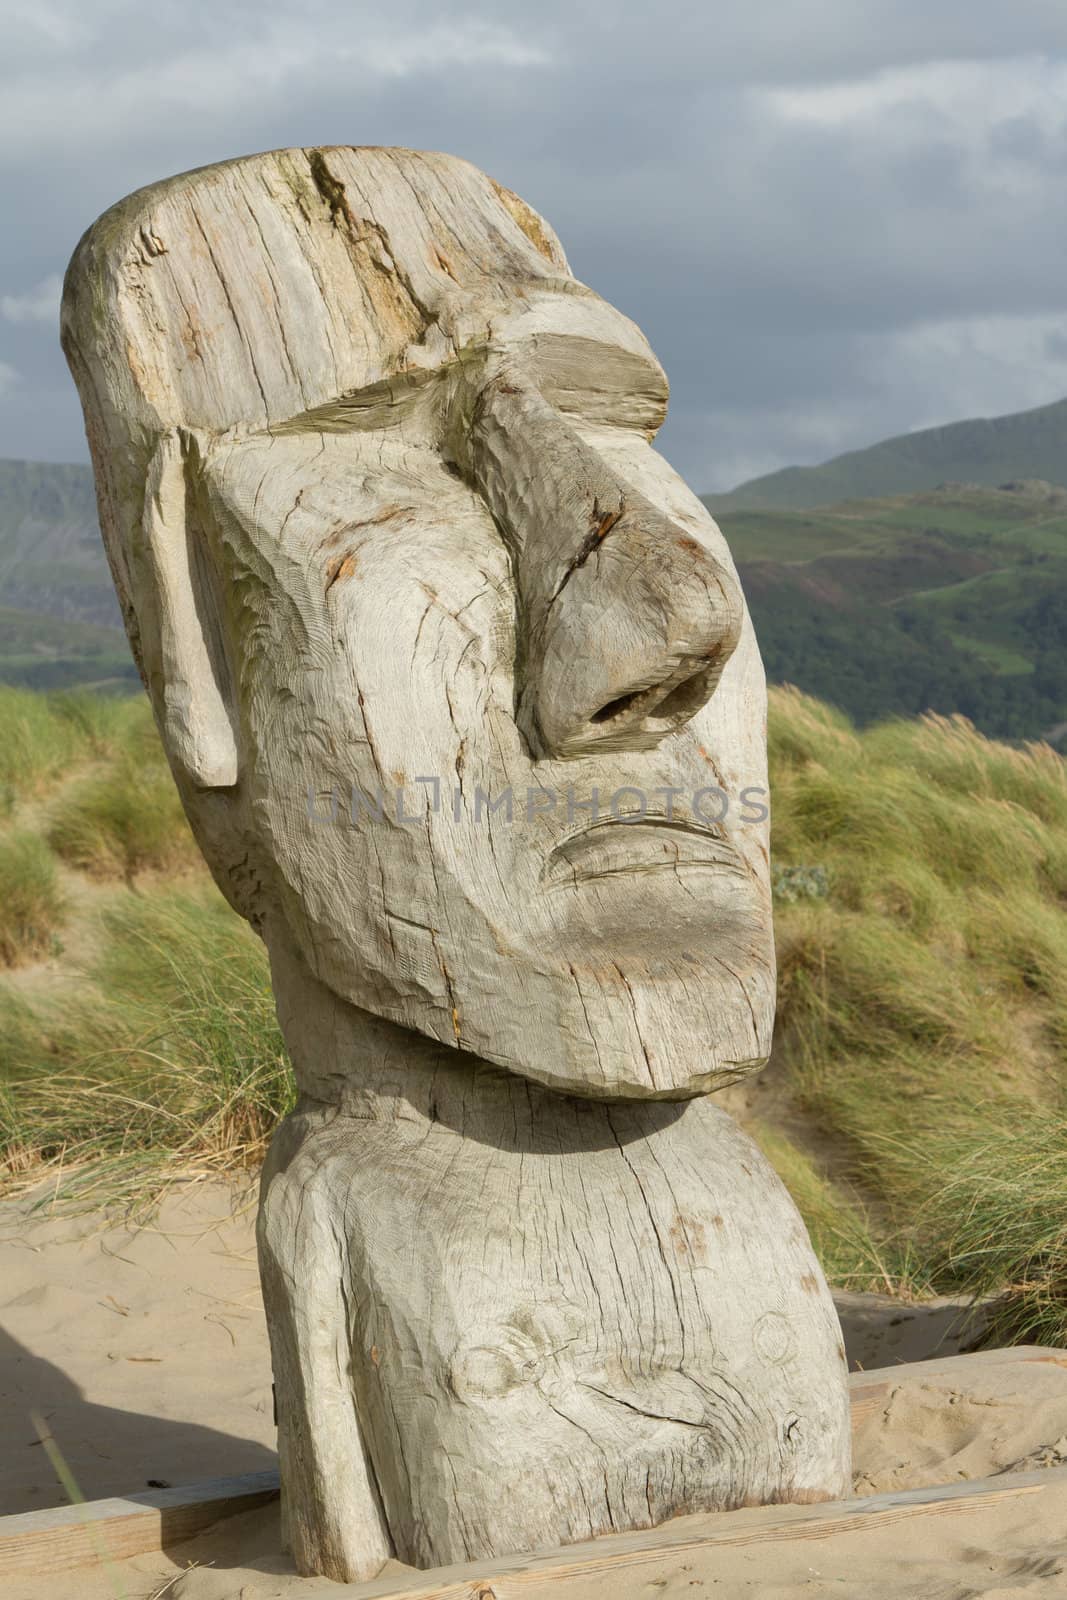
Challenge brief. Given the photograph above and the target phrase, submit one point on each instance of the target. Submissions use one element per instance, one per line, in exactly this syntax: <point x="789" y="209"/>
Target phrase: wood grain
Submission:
<point x="377" y="482"/>
<point x="69" y="1537"/>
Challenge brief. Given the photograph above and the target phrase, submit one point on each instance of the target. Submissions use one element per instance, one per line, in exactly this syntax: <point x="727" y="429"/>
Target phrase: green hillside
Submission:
<point x="953" y="600"/>
<point x="985" y="450"/>
<point x="39" y="652"/>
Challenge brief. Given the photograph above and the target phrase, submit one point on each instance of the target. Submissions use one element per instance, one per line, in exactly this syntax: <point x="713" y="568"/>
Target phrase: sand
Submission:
<point x="946" y="1422"/>
<point x="144" y="1352"/>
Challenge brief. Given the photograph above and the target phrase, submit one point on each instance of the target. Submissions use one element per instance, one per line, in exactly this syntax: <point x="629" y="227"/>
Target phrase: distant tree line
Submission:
<point x="874" y="663"/>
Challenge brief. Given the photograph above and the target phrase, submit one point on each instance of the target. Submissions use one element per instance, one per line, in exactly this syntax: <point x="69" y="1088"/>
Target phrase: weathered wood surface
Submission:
<point x="377" y="486"/>
<point x="377" y="483"/>
<point x="69" y="1537"/>
<point x="55" y="1543"/>
<point x="555" y="1345"/>
<point x="43" y="1542"/>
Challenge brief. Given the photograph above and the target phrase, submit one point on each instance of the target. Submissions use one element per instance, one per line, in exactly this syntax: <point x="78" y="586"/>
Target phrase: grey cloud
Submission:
<point x="783" y="261"/>
<point x="38" y="304"/>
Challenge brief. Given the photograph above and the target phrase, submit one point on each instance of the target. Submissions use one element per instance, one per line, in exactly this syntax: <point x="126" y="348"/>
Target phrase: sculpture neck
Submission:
<point x="367" y="1067"/>
<point x="373" y="1070"/>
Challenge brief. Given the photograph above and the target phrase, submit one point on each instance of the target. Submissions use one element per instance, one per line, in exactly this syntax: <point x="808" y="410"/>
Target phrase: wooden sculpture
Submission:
<point x="463" y="700"/>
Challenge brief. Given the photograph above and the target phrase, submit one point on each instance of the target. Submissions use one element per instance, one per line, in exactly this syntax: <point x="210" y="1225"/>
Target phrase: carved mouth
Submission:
<point x="629" y="849"/>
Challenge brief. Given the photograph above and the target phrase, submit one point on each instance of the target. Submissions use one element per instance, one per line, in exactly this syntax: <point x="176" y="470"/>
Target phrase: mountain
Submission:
<point x="51" y="557"/>
<point x="59" y="619"/>
<point x="953" y="600"/>
<point x="984" y="451"/>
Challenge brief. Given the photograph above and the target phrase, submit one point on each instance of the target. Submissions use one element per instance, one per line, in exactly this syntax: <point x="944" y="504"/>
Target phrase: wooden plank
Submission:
<point x="85" y="1535"/>
<point x="974" y="1360"/>
<point x="624" y="1556"/>
<point x="77" y="1536"/>
<point x="111" y="1530"/>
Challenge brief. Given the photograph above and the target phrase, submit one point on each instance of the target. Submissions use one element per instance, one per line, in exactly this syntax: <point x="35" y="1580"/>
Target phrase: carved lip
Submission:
<point x="628" y="849"/>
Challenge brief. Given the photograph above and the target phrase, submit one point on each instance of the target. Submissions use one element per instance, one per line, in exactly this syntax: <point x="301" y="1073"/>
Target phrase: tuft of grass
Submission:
<point x="165" y="1063"/>
<point x="923" y="1001"/>
<point x="850" y="1249"/>
<point x="36" y="744"/>
<point x="121" y="815"/>
<point x="122" y="820"/>
<point x="994" y="1217"/>
<point x="45" y="737"/>
<point x="31" y="905"/>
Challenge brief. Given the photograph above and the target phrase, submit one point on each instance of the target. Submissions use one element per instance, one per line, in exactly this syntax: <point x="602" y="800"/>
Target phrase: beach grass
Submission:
<point x="165" y="1062"/>
<point x="923" y="997"/>
<point x="45" y="738"/>
<point x="855" y="1251"/>
<point x="31" y="902"/>
<point x="37" y="743"/>
<point x="993" y="1224"/>
<point x="117" y="814"/>
<point x="122" y="820"/>
<point x="921" y="922"/>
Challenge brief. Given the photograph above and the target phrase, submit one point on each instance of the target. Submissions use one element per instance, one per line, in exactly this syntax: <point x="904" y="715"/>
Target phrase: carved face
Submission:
<point x="500" y="711"/>
<point x="380" y="499"/>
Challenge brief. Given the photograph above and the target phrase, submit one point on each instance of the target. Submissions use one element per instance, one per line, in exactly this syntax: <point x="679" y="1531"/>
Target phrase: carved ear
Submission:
<point x="197" y="724"/>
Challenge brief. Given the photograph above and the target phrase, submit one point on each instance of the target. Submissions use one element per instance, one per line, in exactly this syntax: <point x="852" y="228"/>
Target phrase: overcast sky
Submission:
<point x="834" y="219"/>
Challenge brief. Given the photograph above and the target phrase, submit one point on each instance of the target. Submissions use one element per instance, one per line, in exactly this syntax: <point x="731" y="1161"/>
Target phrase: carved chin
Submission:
<point x="609" y="1013"/>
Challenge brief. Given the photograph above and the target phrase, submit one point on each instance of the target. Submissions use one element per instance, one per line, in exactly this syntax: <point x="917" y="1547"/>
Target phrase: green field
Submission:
<point x="40" y="652"/>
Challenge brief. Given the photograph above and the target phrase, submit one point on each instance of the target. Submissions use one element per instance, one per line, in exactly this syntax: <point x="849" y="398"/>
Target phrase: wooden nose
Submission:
<point x="627" y="620"/>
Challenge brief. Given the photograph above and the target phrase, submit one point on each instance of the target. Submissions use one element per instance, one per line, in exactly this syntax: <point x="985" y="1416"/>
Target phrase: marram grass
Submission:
<point x="993" y="1218"/>
<point x="921" y="887"/>
<point x="45" y="737"/>
<point x="123" y="820"/>
<point x="922" y="1020"/>
<point x="855" y="1252"/>
<point x="31" y="903"/>
<point x="166" y="1063"/>
<point x="118" y="816"/>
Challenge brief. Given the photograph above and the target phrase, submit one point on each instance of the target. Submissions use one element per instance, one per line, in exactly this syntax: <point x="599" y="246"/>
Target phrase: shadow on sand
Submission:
<point x="108" y="1451"/>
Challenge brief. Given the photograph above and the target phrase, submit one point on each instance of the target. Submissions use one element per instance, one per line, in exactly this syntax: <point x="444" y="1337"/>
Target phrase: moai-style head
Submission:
<point x="453" y="672"/>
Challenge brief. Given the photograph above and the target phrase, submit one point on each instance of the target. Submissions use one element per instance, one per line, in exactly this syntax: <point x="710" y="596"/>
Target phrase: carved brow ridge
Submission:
<point x="380" y="404"/>
<point x="386" y="401"/>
